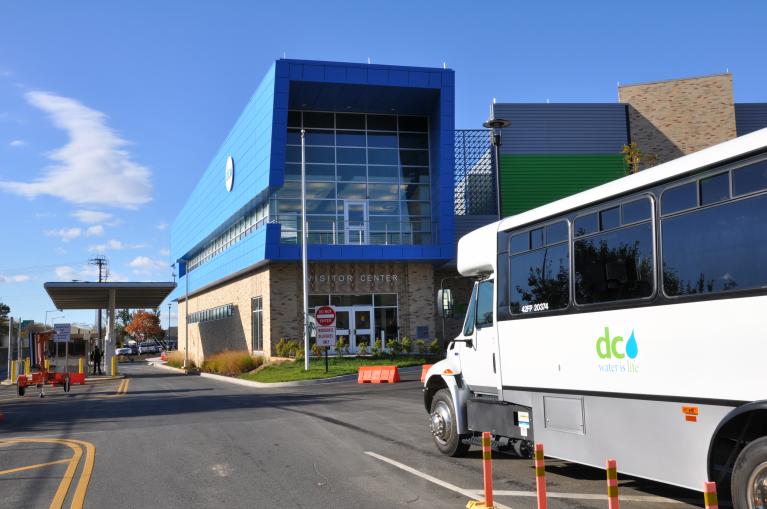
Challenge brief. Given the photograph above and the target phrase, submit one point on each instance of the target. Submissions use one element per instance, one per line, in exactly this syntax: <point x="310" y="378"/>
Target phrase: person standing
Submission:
<point x="96" y="356"/>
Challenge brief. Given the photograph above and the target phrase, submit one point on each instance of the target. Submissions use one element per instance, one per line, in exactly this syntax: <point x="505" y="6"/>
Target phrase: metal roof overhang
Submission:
<point x="83" y="295"/>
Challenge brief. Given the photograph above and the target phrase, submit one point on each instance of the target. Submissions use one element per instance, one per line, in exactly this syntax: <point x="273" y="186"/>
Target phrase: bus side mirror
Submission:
<point x="445" y="303"/>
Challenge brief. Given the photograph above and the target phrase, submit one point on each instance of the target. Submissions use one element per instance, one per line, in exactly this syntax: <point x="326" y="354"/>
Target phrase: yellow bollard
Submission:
<point x="47" y="364"/>
<point x="81" y="365"/>
<point x="114" y="366"/>
<point x="27" y="366"/>
<point x="13" y="372"/>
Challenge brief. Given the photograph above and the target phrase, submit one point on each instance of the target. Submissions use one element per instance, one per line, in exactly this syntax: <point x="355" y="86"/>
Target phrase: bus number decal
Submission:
<point x="541" y="306"/>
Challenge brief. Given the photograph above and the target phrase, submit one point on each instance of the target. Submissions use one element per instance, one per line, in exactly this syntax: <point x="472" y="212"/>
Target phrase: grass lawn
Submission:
<point x="290" y="371"/>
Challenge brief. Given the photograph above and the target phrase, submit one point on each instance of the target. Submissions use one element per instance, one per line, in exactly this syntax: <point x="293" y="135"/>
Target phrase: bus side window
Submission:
<point x="471" y="313"/>
<point x="485" y="304"/>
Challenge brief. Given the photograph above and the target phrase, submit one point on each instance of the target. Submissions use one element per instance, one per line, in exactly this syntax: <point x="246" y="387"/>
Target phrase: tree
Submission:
<point x="5" y="310"/>
<point x="633" y="157"/>
<point x="145" y="325"/>
<point x="124" y="317"/>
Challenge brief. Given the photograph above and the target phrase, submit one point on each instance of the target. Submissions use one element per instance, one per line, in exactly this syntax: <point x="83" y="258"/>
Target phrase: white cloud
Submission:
<point x="59" y="250"/>
<point x="144" y="262"/>
<point x="165" y="252"/>
<point x="93" y="167"/>
<point x="18" y="278"/>
<point x="17" y="143"/>
<point x="67" y="272"/>
<point x="91" y="216"/>
<point x="94" y="231"/>
<point x="162" y="226"/>
<point x="113" y="245"/>
<point x="66" y="234"/>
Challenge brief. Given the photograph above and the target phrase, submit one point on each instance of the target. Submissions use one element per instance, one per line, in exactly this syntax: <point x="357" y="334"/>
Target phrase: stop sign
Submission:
<point x="326" y="316"/>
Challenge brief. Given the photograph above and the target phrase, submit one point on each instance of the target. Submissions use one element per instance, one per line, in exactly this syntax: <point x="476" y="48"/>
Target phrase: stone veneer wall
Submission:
<point x="280" y="287"/>
<point x="233" y="333"/>
<point x="672" y="118"/>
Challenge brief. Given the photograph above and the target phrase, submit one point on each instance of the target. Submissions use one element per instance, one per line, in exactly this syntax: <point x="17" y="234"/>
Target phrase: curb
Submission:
<point x="264" y="385"/>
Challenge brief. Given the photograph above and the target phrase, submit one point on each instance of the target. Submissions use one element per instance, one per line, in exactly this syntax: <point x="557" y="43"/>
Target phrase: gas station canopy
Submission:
<point x="86" y="295"/>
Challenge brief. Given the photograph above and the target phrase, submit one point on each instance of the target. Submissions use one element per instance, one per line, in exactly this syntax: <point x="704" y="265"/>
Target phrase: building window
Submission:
<point x="209" y="315"/>
<point x="258" y="323"/>
<point x="368" y="179"/>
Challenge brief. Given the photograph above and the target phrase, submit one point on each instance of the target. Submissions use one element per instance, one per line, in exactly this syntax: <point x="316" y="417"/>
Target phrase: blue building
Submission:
<point x="380" y="202"/>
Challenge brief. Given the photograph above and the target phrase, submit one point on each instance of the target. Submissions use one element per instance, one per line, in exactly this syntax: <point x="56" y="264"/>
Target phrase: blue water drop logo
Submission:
<point x="631" y="347"/>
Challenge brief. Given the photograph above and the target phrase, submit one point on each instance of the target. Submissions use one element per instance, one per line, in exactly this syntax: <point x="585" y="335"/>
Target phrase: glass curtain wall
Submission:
<point x="368" y="179"/>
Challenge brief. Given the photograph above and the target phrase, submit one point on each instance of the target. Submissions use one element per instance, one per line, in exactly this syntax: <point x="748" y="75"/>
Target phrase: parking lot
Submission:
<point x="162" y="439"/>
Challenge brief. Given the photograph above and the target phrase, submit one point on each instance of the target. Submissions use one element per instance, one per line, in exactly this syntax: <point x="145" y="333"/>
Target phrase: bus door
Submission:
<point x="479" y="365"/>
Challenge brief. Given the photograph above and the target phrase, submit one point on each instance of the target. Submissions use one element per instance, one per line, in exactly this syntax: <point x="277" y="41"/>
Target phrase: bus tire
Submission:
<point x="749" y="476"/>
<point x="443" y="426"/>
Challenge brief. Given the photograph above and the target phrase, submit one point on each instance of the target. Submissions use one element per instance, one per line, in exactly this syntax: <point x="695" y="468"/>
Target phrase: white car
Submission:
<point x="123" y="351"/>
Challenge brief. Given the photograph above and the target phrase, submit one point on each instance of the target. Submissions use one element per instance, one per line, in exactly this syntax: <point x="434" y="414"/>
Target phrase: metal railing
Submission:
<point x="361" y="233"/>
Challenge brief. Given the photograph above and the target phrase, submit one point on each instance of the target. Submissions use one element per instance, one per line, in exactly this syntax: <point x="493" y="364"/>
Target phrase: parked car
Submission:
<point x="123" y="351"/>
<point x="148" y="347"/>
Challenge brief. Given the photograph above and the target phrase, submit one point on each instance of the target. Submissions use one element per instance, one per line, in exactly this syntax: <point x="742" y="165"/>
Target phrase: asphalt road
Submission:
<point x="160" y="439"/>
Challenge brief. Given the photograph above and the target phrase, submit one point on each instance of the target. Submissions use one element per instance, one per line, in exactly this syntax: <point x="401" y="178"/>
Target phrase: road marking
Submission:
<point x="59" y="498"/>
<point x="31" y="467"/>
<point x="585" y="496"/>
<point x="439" y="482"/>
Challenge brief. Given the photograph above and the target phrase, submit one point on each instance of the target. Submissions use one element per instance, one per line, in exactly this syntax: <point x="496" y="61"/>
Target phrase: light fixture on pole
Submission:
<point x="496" y="124"/>
<point x="45" y="322"/>
<point x="186" y="310"/>
<point x="304" y="253"/>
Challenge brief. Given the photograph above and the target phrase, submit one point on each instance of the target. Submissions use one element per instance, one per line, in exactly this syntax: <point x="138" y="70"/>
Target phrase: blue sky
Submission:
<point x="109" y="113"/>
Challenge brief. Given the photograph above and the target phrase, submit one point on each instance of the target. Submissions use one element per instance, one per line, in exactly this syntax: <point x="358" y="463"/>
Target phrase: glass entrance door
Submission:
<point x="356" y="221"/>
<point x="355" y="323"/>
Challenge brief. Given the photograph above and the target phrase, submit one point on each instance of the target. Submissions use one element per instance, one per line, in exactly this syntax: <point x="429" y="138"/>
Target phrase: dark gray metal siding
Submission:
<point x="466" y="224"/>
<point x="750" y="117"/>
<point x="563" y="128"/>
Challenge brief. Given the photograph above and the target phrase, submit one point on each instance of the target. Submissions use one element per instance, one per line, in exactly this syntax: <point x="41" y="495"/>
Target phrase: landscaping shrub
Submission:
<point x="393" y="346"/>
<point x="362" y="348"/>
<point x="377" y="347"/>
<point x="407" y="344"/>
<point x="176" y="359"/>
<point x="434" y="347"/>
<point x="342" y="345"/>
<point x="232" y="362"/>
<point x="317" y="350"/>
<point x="420" y="346"/>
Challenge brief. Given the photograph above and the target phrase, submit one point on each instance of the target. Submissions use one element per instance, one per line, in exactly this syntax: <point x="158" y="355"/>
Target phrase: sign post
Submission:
<point x="326" y="329"/>
<point x="62" y="332"/>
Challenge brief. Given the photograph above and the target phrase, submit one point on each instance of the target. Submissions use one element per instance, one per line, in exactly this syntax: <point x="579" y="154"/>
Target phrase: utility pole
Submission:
<point x="102" y="262"/>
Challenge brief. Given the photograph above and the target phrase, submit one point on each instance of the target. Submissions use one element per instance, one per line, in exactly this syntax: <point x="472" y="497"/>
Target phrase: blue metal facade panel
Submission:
<point x="210" y="205"/>
<point x="563" y="128"/>
<point x="257" y="144"/>
<point x="750" y="117"/>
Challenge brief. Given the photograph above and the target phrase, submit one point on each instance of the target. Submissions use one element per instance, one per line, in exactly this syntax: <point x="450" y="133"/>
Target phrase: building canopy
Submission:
<point x="88" y="295"/>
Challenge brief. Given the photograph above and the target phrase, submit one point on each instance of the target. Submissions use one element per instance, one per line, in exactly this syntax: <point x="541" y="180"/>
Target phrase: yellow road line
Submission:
<point x="31" y="467"/>
<point x="78" y="499"/>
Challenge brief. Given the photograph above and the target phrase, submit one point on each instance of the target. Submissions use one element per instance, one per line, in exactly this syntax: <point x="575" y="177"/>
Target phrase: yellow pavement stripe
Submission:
<point x="66" y="481"/>
<point x="31" y="467"/>
<point x="59" y="498"/>
<point x="78" y="499"/>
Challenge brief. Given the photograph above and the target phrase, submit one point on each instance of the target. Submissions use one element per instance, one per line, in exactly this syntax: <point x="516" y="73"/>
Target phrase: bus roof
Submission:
<point x="710" y="156"/>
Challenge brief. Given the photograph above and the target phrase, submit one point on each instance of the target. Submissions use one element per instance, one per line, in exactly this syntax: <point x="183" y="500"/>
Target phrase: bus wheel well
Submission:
<point x="434" y="384"/>
<point x="731" y="437"/>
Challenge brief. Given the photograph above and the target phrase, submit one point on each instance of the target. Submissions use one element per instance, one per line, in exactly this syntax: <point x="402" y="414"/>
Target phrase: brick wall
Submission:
<point x="672" y="118"/>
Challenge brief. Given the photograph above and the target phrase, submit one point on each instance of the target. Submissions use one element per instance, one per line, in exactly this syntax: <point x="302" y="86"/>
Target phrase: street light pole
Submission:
<point x="495" y="124"/>
<point x="186" y="317"/>
<point x="304" y="252"/>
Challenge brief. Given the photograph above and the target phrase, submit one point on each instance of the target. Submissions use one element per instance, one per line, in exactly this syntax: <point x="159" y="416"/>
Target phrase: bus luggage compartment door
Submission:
<point x="500" y="418"/>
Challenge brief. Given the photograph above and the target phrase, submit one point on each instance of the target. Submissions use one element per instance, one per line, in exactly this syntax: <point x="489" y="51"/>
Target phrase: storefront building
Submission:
<point x="380" y="204"/>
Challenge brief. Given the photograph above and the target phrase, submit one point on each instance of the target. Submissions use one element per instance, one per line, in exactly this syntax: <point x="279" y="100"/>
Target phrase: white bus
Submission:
<point x="626" y="321"/>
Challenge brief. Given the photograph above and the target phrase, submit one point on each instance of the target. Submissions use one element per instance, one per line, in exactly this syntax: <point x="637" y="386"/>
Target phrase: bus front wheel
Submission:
<point x="443" y="425"/>
<point x="749" y="476"/>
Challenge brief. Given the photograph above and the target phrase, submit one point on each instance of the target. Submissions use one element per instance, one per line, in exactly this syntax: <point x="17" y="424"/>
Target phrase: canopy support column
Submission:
<point x="109" y="343"/>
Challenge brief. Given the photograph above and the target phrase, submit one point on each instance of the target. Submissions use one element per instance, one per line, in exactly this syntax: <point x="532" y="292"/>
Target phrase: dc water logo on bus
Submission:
<point x="623" y="353"/>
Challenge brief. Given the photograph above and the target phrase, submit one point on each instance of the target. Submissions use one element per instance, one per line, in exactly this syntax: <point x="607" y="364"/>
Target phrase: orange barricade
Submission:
<point x="377" y="374"/>
<point x="424" y="369"/>
<point x="77" y="378"/>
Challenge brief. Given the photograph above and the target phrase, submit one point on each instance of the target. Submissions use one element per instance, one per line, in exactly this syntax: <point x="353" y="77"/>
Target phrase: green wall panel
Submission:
<point x="528" y="181"/>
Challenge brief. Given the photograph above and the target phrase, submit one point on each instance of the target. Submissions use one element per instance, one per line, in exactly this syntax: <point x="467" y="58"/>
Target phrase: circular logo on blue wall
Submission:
<point x="229" y="173"/>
